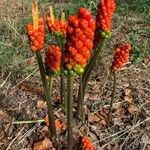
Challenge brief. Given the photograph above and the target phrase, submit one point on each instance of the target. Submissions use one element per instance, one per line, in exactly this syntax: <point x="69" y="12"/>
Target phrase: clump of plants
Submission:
<point x="78" y="42"/>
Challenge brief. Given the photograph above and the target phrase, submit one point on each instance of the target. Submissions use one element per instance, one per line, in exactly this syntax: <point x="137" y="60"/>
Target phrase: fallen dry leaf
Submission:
<point x="25" y="86"/>
<point x="39" y="90"/>
<point x="95" y="87"/>
<point x="41" y="104"/>
<point x="103" y="122"/>
<point x="45" y="128"/>
<point x="58" y="124"/>
<point x="103" y="116"/>
<point x="118" y="110"/>
<point x="126" y="85"/>
<point x="132" y="108"/>
<point x="127" y="91"/>
<point x="128" y="99"/>
<point x="44" y="144"/>
<point x="104" y="113"/>
<point x="45" y="131"/>
<point x="93" y="97"/>
<point x="93" y="118"/>
<point x="4" y="116"/>
<point x="64" y="126"/>
<point x="30" y="87"/>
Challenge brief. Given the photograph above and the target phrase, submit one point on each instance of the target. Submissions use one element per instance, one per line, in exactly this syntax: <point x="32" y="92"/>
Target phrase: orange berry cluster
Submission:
<point x="104" y="14"/>
<point x="79" y="41"/>
<point x="52" y="58"/>
<point x="36" y="36"/>
<point x="58" y="25"/>
<point x="121" y="56"/>
<point x="86" y="144"/>
<point x="58" y="124"/>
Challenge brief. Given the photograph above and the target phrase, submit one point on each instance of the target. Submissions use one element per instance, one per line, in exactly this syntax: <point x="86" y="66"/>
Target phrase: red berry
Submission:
<point x="86" y="144"/>
<point x="121" y="56"/>
<point x="52" y="58"/>
<point x="83" y="23"/>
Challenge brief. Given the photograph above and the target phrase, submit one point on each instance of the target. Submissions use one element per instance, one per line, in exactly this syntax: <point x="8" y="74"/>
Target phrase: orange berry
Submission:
<point x="35" y="34"/>
<point x="69" y="30"/>
<point x="69" y="67"/>
<point x="41" y="29"/>
<point x="36" y="43"/>
<point x="29" y="27"/>
<point x="41" y="21"/>
<point x="32" y="38"/>
<point x="30" y="32"/>
<point x="33" y="48"/>
<point x="40" y="47"/>
<point x="83" y="23"/>
<point x="78" y="32"/>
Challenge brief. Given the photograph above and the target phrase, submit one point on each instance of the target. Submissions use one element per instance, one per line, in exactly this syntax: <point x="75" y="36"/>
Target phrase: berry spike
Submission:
<point x="105" y="11"/>
<point x="52" y="59"/>
<point x="79" y="40"/>
<point x="104" y="14"/>
<point x="121" y="55"/>
<point x="35" y="31"/>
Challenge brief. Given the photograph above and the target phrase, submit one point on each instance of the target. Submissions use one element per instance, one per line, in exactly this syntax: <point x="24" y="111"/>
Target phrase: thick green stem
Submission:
<point x="70" y="112"/>
<point x="85" y="79"/>
<point x="89" y="67"/>
<point x="80" y="111"/>
<point x="112" y="99"/>
<point x="47" y="96"/>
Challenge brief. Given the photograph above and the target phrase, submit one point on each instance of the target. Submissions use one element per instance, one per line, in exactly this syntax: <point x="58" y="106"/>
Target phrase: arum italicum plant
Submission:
<point x="121" y="55"/>
<point x="58" y="28"/>
<point x="79" y="42"/>
<point x="35" y="34"/>
<point x="71" y="55"/>
<point x="104" y="14"/>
